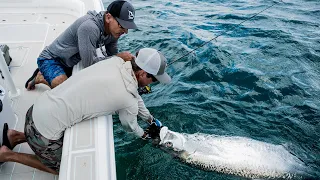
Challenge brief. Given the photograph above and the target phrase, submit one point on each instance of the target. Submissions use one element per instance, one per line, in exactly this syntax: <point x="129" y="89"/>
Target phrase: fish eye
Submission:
<point x="168" y="144"/>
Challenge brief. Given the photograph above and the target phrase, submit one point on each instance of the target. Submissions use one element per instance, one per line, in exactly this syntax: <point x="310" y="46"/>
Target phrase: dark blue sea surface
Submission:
<point x="258" y="80"/>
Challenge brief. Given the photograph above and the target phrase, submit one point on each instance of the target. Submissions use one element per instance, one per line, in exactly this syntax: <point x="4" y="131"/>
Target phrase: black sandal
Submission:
<point x="5" y="139"/>
<point x="32" y="78"/>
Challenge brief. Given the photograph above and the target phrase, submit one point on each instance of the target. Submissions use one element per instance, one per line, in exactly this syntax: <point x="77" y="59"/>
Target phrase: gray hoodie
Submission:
<point x="80" y="41"/>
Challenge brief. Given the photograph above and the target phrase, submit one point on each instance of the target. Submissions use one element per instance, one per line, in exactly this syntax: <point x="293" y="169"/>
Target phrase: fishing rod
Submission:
<point x="223" y="33"/>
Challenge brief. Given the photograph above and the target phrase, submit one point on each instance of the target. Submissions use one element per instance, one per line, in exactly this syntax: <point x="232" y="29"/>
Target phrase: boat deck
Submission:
<point x="32" y="31"/>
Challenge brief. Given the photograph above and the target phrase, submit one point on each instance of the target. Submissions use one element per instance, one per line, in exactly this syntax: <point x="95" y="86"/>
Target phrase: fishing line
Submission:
<point x="223" y="33"/>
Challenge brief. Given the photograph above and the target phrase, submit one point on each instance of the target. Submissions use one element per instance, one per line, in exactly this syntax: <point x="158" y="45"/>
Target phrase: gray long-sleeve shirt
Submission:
<point x="80" y="41"/>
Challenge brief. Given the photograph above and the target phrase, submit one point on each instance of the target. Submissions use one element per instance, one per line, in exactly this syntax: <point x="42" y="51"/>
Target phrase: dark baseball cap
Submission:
<point x="124" y="13"/>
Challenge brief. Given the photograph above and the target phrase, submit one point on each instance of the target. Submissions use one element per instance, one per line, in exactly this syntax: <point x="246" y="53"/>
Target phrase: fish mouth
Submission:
<point x="171" y="141"/>
<point x="156" y="141"/>
<point x="170" y="150"/>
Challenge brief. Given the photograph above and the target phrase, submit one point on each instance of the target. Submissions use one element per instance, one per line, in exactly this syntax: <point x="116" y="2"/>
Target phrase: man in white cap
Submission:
<point x="91" y="38"/>
<point x="101" y="89"/>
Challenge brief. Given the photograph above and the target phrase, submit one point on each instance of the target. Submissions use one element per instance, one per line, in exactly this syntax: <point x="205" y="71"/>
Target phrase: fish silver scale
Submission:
<point x="233" y="155"/>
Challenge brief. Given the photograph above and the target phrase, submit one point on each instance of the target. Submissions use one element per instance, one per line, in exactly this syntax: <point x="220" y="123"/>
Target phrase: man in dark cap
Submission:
<point x="90" y="38"/>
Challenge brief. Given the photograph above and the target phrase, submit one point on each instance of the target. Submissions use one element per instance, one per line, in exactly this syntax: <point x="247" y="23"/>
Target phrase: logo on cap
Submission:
<point x="131" y="15"/>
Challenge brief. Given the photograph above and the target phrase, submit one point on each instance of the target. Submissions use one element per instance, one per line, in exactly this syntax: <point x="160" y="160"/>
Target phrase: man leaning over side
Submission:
<point x="111" y="87"/>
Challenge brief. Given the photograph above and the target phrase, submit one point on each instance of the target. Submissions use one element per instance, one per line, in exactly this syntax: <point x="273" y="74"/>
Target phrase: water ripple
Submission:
<point x="258" y="80"/>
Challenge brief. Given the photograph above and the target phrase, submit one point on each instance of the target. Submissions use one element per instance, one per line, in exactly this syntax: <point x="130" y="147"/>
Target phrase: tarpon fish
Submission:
<point x="232" y="155"/>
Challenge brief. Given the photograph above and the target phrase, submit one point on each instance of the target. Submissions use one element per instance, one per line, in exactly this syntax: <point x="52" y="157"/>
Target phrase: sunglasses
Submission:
<point x="119" y="24"/>
<point x="151" y="76"/>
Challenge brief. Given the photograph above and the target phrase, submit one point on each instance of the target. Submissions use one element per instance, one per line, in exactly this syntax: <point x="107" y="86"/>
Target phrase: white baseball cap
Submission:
<point x="153" y="62"/>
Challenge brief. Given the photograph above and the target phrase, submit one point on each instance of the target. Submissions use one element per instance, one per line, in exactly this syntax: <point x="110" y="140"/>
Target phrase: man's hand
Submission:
<point x="145" y="135"/>
<point x="126" y="56"/>
<point x="153" y="131"/>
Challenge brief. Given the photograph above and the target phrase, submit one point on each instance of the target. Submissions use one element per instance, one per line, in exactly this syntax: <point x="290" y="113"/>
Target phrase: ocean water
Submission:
<point x="259" y="80"/>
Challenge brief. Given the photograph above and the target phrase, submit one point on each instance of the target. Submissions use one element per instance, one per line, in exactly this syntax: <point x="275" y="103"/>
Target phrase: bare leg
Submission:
<point x="58" y="80"/>
<point x="6" y="155"/>
<point x="38" y="80"/>
<point x="15" y="137"/>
